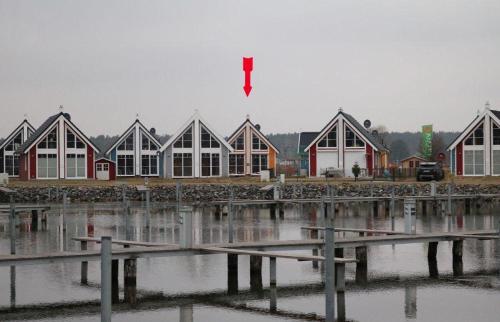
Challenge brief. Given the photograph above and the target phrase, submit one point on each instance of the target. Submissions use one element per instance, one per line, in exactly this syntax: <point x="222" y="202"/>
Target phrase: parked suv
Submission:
<point x="429" y="171"/>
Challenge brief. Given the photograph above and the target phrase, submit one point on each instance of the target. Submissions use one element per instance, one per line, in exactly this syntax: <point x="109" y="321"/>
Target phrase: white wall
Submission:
<point x="326" y="159"/>
<point x="352" y="157"/>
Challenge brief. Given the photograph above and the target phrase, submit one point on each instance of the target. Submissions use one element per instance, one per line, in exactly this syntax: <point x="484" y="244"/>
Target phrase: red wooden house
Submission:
<point x="58" y="149"/>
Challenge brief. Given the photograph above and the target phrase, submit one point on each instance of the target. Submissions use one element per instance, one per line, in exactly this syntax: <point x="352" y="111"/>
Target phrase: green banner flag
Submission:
<point x="427" y="141"/>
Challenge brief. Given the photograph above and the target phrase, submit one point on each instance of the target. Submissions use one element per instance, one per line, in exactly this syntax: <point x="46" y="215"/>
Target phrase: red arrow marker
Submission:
<point x="247" y="67"/>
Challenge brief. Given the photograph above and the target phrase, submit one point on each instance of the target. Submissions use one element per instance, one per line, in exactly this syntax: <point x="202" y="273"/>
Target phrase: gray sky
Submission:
<point x="399" y="63"/>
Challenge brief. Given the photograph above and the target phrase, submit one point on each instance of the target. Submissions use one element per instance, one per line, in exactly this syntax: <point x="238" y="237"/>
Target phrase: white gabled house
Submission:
<point x="476" y="151"/>
<point x="9" y="160"/>
<point x="195" y="151"/>
<point x="136" y="152"/>
<point x="342" y="143"/>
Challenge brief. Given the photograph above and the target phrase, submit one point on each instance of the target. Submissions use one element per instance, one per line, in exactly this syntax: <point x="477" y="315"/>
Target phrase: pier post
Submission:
<point x="424" y="207"/>
<point x="65" y="208"/>
<point x="85" y="265"/>
<point x="392" y="210"/>
<point x="232" y="274"/>
<point x="273" y="211"/>
<point x="12" y="226"/>
<point x="409" y="212"/>
<point x="281" y="208"/>
<point x="12" y="287"/>
<point x="186" y="220"/>
<point x="314" y="235"/>
<point x="115" y="292"/>
<point x="255" y="273"/>
<point x="375" y="208"/>
<point x="130" y="280"/>
<point x="361" y="265"/>
<point x="272" y="271"/>
<point x="432" y="260"/>
<point x="458" y="266"/>
<point x="330" y="262"/>
<point x="340" y="286"/>
<point x="34" y="220"/>
<point x="148" y="208"/>
<point x="106" y="279"/>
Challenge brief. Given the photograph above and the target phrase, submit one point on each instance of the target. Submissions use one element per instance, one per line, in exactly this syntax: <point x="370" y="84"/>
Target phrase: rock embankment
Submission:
<point x="209" y="192"/>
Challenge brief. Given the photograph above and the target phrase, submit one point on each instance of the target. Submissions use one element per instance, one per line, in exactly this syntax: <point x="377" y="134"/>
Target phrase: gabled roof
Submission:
<point x="305" y="138"/>
<point x="196" y="117"/>
<point x="13" y="133"/>
<point x="41" y="131"/>
<point x="495" y="115"/>
<point x="261" y="135"/>
<point x="127" y="132"/>
<point x="356" y="126"/>
<point x="414" y="156"/>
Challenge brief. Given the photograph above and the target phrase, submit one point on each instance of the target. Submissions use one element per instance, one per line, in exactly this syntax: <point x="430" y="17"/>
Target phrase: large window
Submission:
<point x="127" y="144"/>
<point x="239" y="143"/>
<point x="496" y="134"/>
<point x="47" y="166"/>
<point x="186" y="139"/>
<point x="330" y="140"/>
<point x="149" y="165"/>
<point x="210" y="164"/>
<point x="75" y="165"/>
<point x="476" y="137"/>
<point x="147" y="144"/>
<point x="125" y="165"/>
<point x="473" y="162"/>
<point x="208" y="140"/>
<point x="236" y="164"/>
<point x="258" y="144"/>
<point x="496" y="161"/>
<point x="183" y="164"/>
<point x="352" y="140"/>
<point x="15" y="143"/>
<point x="259" y="163"/>
<point x="50" y="141"/>
<point x="73" y="142"/>
<point x="12" y="165"/>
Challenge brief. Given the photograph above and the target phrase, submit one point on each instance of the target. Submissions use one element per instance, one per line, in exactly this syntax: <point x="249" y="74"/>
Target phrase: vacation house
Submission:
<point x="9" y="160"/>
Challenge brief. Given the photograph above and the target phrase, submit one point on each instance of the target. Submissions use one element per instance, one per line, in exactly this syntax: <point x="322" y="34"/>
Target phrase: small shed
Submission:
<point x="105" y="169"/>
<point x="412" y="162"/>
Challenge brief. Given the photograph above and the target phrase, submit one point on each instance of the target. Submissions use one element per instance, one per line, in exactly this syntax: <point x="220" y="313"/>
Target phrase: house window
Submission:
<point x="149" y="165"/>
<point x="50" y="141"/>
<point x="99" y="167"/>
<point x="183" y="164"/>
<point x="105" y="167"/>
<point x="147" y="144"/>
<point x="15" y="143"/>
<point x="236" y="164"/>
<point x="259" y="163"/>
<point x="476" y="137"/>
<point x="186" y="139"/>
<point x="330" y="140"/>
<point x="417" y="164"/>
<point x="125" y="165"/>
<point x="473" y="162"/>
<point x="73" y="142"/>
<point x="352" y="140"/>
<point x="75" y="165"/>
<point x="210" y="164"/>
<point x="496" y="161"/>
<point x="127" y="144"/>
<point x="47" y="165"/>
<point x="208" y="140"/>
<point x="239" y="143"/>
<point x="258" y="144"/>
<point x="12" y="165"/>
<point x="496" y="134"/>
<point x="411" y="164"/>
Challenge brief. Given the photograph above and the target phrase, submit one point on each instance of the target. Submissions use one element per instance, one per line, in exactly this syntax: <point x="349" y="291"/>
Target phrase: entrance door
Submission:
<point x="102" y="171"/>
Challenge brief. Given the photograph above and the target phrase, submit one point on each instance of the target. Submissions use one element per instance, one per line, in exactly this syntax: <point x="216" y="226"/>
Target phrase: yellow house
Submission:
<point x="253" y="151"/>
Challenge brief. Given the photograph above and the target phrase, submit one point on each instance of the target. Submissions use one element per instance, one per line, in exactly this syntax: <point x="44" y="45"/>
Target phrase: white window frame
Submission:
<point x="75" y="151"/>
<point x="229" y="164"/>
<point x="48" y="151"/>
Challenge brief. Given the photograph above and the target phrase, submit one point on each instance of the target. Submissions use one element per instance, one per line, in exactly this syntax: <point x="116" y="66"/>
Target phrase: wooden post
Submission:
<point x="314" y="235"/>
<point x="255" y="273"/>
<point x="85" y="265"/>
<point x="272" y="271"/>
<point x="424" y="207"/>
<point x="130" y="280"/>
<point x="12" y="287"/>
<point x="340" y="286"/>
<point x="281" y="208"/>
<point x="12" y="226"/>
<point x="115" y="292"/>
<point x="458" y="266"/>
<point x="34" y="220"/>
<point x="273" y="211"/>
<point x="375" y="208"/>
<point x="432" y="260"/>
<point x="339" y="253"/>
<point x="467" y="206"/>
<point x="148" y="208"/>
<point x="230" y="230"/>
<point x="361" y="265"/>
<point x="106" y="279"/>
<point x="330" y="262"/>
<point x="232" y="274"/>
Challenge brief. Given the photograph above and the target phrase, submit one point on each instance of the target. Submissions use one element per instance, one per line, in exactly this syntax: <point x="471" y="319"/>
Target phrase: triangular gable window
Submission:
<point x="352" y="140"/>
<point x="185" y="140"/>
<point x="208" y="140"/>
<point x="15" y="143"/>
<point x="50" y="141"/>
<point x="147" y="144"/>
<point x="73" y="142"/>
<point x="239" y="143"/>
<point x="127" y="144"/>
<point x="257" y="143"/>
<point x="329" y="140"/>
<point x="476" y="137"/>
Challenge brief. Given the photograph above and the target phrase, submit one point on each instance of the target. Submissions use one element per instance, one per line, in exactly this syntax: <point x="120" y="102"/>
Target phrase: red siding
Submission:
<point x="459" y="159"/>
<point x="23" y="167"/>
<point x="112" y="171"/>
<point x="369" y="159"/>
<point x="312" y="161"/>
<point x="32" y="163"/>
<point x="90" y="162"/>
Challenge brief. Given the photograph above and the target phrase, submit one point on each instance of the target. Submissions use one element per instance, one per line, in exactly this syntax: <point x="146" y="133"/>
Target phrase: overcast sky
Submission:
<point x="398" y="63"/>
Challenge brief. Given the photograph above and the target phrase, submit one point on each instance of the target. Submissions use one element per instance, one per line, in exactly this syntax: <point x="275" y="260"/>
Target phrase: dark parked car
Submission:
<point x="429" y="171"/>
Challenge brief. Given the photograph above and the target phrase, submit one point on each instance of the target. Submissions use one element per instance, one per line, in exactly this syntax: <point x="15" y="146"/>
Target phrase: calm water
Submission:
<point x="194" y="288"/>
